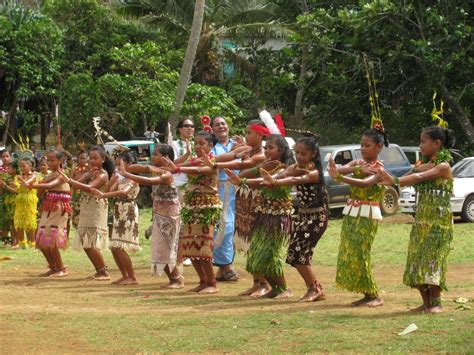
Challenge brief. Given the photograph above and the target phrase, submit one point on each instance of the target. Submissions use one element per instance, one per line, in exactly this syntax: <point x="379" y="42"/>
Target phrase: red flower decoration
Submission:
<point x="205" y="120"/>
<point x="207" y="129"/>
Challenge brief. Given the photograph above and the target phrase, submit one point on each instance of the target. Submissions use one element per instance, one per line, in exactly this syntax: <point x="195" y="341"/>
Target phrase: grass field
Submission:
<point x="76" y="315"/>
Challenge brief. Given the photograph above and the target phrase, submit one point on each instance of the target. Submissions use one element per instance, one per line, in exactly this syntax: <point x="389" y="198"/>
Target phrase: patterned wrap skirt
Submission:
<point x="165" y="235"/>
<point x="125" y="226"/>
<point x="92" y="230"/>
<point x="308" y="227"/>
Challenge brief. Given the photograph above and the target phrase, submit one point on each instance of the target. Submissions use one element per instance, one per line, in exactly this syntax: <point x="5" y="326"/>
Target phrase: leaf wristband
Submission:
<point x="357" y="169"/>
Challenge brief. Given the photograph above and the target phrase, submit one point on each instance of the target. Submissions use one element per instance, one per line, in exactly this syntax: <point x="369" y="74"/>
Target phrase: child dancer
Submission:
<point x="125" y="222"/>
<point x="270" y="231"/>
<point x="432" y="232"/>
<point x="78" y="172"/>
<point x="43" y="169"/>
<point x="312" y="219"/>
<point x="55" y="212"/>
<point x="200" y="213"/>
<point x="5" y="216"/>
<point x="166" y="221"/>
<point x="26" y="201"/>
<point x="360" y="223"/>
<point x="92" y="232"/>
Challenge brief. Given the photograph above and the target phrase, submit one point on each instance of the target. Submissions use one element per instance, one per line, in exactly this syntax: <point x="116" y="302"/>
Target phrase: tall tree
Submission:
<point x="188" y="62"/>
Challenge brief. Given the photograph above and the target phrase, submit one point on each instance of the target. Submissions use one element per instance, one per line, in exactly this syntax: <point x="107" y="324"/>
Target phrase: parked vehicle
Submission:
<point x="413" y="154"/>
<point x="462" y="201"/>
<point x="393" y="158"/>
<point x="143" y="149"/>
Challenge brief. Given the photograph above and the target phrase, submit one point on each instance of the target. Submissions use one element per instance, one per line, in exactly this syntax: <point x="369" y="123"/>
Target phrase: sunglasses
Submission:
<point x="188" y="126"/>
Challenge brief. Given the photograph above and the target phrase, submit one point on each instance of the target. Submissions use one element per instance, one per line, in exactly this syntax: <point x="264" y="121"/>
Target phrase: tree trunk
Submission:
<point x="298" y="119"/>
<point x="10" y="124"/>
<point x="459" y="114"/>
<point x="188" y="62"/>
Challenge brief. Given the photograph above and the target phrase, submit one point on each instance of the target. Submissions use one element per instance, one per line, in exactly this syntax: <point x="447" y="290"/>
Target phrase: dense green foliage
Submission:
<point x="95" y="61"/>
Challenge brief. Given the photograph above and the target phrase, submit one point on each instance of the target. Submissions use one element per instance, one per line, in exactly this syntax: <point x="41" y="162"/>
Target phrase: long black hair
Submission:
<point x="443" y="134"/>
<point x="286" y="154"/>
<point x="310" y="141"/>
<point x="108" y="164"/>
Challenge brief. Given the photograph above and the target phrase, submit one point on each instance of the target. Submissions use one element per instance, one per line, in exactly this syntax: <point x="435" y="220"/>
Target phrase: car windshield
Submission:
<point x="464" y="169"/>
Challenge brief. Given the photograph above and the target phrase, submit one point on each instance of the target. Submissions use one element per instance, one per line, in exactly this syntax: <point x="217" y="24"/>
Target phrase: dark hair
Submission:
<point x="29" y="161"/>
<point x="58" y="153"/>
<point x="286" y="154"/>
<point x="166" y="151"/>
<point x="377" y="136"/>
<point x="4" y="151"/>
<point x="128" y="157"/>
<point x="82" y="151"/>
<point x="311" y="142"/>
<point x="207" y="136"/>
<point x="181" y="122"/>
<point x="445" y="135"/>
<point x="108" y="164"/>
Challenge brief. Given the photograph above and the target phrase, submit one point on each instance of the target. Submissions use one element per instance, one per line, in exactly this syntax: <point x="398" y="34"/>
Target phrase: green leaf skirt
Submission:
<point x="354" y="268"/>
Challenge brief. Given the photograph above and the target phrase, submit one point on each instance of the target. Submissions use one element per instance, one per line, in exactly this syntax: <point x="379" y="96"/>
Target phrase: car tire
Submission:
<point x="467" y="213"/>
<point x="389" y="205"/>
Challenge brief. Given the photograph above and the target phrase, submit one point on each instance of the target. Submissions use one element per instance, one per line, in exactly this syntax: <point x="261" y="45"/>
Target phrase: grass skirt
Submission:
<point x="354" y="268"/>
<point x="430" y="241"/>
<point x="268" y="245"/>
<point x="24" y="217"/>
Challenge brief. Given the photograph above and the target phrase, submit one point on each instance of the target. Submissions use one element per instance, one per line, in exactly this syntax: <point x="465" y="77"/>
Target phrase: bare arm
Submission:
<point x="241" y="165"/>
<point x="441" y="170"/>
<point x="165" y="179"/>
<point x="311" y="177"/>
<point x="58" y="180"/>
<point x="97" y="183"/>
<point x="115" y="193"/>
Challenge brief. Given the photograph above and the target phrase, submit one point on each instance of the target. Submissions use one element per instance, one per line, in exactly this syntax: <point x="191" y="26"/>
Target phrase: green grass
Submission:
<point x="75" y="315"/>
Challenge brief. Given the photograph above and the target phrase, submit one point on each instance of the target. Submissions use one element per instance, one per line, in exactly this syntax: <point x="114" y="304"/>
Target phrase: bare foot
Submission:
<point x="285" y="294"/>
<point x="47" y="273"/>
<point x="118" y="281"/>
<point x="208" y="290"/>
<point x="359" y="302"/>
<point x="312" y="296"/>
<point x="101" y="276"/>
<point x="128" y="281"/>
<point x="201" y="286"/>
<point x="373" y="302"/>
<point x="262" y="290"/>
<point x="435" y="309"/>
<point x="173" y="285"/>
<point x="60" y="273"/>
<point x="251" y="290"/>
<point x="419" y="309"/>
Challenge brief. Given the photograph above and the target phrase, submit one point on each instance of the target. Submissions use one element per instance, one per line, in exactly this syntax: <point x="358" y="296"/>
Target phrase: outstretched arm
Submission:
<point x="310" y="177"/>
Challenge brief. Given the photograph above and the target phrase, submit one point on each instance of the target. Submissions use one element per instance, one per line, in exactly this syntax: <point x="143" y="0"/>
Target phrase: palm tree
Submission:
<point x="223" y="19"/>
<point x="187" y="67"/>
